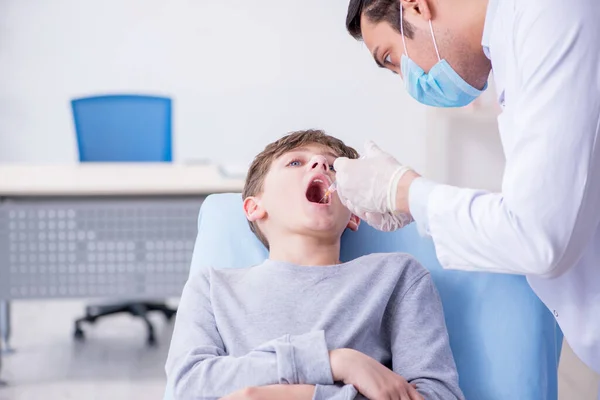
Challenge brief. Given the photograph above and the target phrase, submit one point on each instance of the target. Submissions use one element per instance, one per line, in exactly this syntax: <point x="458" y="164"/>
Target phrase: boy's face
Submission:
<point x="290" y="202"/>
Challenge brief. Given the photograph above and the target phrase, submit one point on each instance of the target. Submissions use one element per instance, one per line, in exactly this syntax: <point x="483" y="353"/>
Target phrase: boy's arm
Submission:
<point x="295" y="392"/>
<point x="198" y="365"/>
<point x="420" y="345"/>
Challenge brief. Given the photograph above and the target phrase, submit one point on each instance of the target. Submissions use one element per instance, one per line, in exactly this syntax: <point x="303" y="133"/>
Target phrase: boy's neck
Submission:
<point x="305" y="251"/>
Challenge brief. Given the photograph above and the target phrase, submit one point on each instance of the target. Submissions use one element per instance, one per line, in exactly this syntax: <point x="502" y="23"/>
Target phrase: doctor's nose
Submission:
<point x="319" y="163"/>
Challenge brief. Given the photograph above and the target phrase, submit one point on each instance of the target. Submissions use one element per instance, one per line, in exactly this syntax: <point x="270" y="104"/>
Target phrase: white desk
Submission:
<point x="99" y="230"/>
<point x="113" y="179"/>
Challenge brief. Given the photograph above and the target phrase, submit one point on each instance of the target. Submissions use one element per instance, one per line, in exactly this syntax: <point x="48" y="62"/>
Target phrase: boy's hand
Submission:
<point x="369" y="377"/>
<point x="273" y="392"/>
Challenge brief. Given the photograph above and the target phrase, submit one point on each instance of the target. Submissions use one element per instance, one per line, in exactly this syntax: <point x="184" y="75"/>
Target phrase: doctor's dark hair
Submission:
<point x="294" y="140"/>
<point x="376" y="11"/>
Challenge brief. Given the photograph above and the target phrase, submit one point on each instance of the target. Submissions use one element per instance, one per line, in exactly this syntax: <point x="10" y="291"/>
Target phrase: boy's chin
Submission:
<point x="325" y="224"/>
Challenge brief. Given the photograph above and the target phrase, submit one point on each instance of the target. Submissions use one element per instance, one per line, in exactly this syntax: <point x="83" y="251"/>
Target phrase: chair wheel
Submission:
<point x="78" y="334"/>
<point x="169" y="315"/>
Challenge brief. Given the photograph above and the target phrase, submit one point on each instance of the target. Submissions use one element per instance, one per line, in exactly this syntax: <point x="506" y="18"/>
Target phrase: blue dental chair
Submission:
<point x="506" y="343"/>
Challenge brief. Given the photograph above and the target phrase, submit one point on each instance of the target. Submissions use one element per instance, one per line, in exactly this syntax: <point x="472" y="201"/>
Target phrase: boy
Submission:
<point x="303" y="325"/>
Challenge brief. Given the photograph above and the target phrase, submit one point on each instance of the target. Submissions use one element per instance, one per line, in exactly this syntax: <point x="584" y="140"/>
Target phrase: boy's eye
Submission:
<point x="331" y="168"/>
<point x="295" y="163"/>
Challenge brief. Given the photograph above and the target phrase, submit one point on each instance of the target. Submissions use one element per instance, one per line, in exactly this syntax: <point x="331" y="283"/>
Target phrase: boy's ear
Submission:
<point x="353" y="223"/>
<point x="253" y="210"/>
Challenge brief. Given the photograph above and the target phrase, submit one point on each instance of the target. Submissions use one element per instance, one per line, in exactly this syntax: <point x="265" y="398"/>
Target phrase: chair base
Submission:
<point x="137" y="309"/>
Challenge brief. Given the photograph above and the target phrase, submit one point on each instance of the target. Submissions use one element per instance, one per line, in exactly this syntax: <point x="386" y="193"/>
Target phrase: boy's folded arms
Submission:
<point x="302" y="323"/>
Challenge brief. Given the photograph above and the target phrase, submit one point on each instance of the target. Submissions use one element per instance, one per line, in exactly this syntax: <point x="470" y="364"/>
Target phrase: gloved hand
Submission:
<point x="368" y="187"/>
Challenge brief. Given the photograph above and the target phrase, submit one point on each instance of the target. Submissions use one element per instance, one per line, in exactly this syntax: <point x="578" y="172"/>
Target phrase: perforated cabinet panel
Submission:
<point x="110" y="248"/>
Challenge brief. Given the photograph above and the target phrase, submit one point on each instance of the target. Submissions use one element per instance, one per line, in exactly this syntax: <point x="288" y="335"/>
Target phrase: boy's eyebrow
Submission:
<point x="301" y="149"/>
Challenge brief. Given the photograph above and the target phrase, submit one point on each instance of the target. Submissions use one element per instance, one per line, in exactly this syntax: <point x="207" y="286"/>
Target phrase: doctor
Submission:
<point x="545" y="223"/>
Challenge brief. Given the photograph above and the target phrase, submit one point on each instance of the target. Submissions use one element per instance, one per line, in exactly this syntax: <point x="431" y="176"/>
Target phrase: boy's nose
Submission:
<point x="319" y="163"/>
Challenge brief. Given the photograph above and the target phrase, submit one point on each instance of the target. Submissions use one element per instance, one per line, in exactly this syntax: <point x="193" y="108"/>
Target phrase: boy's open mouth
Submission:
<point x="315" y="193"/>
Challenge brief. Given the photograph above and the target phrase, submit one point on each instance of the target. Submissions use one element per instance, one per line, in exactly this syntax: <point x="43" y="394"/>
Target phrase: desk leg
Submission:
<point x="2" y="383"/>
<point x="5" y="327"/>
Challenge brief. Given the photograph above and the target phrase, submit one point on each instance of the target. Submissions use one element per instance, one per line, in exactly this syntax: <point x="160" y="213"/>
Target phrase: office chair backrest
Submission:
<point x="506" y="343"/>
<point x="123" y="128"/>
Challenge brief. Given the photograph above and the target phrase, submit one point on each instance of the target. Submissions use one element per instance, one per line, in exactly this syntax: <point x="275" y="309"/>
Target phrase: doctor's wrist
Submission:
<point x="402" y="192"/>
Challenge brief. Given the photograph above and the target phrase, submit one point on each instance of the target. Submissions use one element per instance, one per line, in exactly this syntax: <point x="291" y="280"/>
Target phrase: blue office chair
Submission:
<point x="123" y="128"/>
<point x="505" y="341"/>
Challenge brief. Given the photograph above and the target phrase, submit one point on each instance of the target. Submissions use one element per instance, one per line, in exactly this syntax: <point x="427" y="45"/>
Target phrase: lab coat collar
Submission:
<point x="490" y="16"/>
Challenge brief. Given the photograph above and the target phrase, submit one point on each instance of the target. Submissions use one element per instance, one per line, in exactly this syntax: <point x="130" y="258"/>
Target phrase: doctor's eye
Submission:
<point x="295" y="163"/>
<point x="388" y="59"/>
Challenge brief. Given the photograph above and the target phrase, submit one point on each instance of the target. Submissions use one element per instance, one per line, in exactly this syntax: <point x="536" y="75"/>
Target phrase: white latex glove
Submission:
<point x="368" y="186"/>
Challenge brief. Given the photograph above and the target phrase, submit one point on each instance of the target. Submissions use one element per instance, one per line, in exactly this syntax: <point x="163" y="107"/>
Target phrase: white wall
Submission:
<point x="464" y="149"/>
<point x="239" y="71"/>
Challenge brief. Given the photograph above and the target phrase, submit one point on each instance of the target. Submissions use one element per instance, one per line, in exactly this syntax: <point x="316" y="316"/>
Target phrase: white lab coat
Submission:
<point x="546" y="222"/>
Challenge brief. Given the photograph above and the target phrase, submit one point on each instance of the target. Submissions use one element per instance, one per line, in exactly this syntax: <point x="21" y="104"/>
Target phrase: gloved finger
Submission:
<point x="355" y="210"/>
<point x="360" y="215"/>
<point x="341" y="196"/>
<point x="382" y="222"/>
<point x="348" y="204"/>
<point x="373" y="218"/>
<point x="371" y="149"/>
<point x="340" y="163"/>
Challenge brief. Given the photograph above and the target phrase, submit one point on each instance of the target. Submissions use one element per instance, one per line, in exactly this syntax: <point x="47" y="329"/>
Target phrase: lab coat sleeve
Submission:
<point x="200" y="368"/>
<point x="549" y="207"/>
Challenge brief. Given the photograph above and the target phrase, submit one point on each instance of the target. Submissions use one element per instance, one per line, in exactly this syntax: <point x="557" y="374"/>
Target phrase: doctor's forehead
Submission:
<point x="378" y="34"/>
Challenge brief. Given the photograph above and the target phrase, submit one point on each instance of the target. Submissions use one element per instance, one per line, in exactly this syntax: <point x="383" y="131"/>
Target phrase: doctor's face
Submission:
<point x="386" y="47"/>
<point x="458" y="42"/>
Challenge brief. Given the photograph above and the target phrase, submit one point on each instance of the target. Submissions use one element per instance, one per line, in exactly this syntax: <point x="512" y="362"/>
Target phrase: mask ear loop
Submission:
<point x="404" y="40"/>
<point x="402" y="30"/>
<point x="434" y="41"/>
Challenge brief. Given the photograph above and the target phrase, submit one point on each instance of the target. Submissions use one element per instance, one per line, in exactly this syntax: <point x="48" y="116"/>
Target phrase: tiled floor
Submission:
<point x="115" y="364"/>
<point x="576" y="381"/>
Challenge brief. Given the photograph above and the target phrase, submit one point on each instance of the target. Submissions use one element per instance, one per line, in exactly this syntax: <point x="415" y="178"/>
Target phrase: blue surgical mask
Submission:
<point x="442" y="86"/>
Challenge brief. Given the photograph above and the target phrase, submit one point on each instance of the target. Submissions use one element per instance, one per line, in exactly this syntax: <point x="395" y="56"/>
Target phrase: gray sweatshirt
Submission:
<point x="276" y="322"/>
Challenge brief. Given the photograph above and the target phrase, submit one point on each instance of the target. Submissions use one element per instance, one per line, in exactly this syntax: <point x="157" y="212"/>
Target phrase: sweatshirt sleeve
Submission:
<point x="335" y="392"/>
<point x="419" y="340"/>
<point x="199" y="367"/>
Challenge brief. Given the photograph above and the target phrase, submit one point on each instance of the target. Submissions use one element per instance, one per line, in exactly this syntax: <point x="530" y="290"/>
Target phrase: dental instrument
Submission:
<point x="330" y="190"/>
